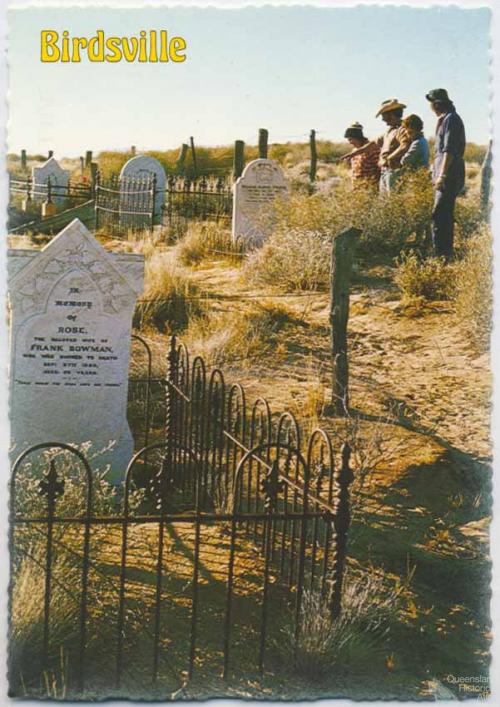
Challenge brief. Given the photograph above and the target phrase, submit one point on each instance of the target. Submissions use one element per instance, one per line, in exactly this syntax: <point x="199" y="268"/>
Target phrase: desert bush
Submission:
<point x="238" y="335"/>
<point x="469" y="216"/>
<point x="171" y="297"/>
<point x="475" y="153"/>
<point x="328" y="645"/>
<point x="297" y="254"/>
<point x="207" y="239"/>
<point x="430" y="278"/>
<point x="291" y="260"/>
<point x="27" y="616"/>
<point x="474" y="288"/>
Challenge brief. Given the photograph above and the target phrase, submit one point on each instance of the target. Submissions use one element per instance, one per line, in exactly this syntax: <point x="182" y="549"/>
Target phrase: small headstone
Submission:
<point x="260" y="184"/>
<point x="58" y="178"/>
<point x="71" y="307"/>
<point x="144" y="167"/>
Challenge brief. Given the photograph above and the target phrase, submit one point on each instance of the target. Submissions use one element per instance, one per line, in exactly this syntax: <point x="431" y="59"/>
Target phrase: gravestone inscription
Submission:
<point x="143" y="167"/>
<point x="71" y="307"/>
<point x="260" y="184"/>
<point x="59" y="180"/>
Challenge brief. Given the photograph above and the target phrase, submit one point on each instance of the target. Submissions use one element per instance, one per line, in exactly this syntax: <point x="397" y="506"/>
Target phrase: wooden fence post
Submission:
<point x="314" y="156"/>
<point x="23" y="159"/>
<point x="341" y="266"/>
<point x="181" y="160"/>
<point x="239" y="158"/>
<point x="342" y="521"/>
<point x="82" y="165"/>
<point x="263" y="137"/>
<point x="51" y="154"/>
<point x="486" y="179"/>
<point x="93" y="178"/>
<point x="88" y="158"/>
<point x="132" y="150"/>
<point x="193" y="154"/>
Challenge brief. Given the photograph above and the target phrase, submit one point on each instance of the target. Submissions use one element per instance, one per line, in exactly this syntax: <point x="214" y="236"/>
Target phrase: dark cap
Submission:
<point x="354" y="130"/>
<point x="438" y="94"/>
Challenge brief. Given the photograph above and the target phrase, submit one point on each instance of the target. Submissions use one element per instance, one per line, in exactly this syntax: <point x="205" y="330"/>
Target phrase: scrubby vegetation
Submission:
<point x="474" y="288"/>
<point x="209" y="239"/>
<point x="240" y="335"/>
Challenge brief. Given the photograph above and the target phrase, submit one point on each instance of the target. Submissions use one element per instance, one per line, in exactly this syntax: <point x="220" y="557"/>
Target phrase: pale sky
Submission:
<point x="288" y="69"/>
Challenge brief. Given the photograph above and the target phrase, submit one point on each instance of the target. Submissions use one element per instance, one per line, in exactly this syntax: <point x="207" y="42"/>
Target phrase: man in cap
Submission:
<point x="448" y="170"/>
<point x="365" y="171"/>
<point x="393" y="143"/>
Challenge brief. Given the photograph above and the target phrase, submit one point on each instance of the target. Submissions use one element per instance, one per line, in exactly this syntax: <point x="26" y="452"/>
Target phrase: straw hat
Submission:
<point x="390" y="104"/>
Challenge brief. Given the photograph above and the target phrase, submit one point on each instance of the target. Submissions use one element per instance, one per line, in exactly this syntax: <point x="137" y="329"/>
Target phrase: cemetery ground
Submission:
<point x="417" y="592"/>
<point x="419" y="425"/>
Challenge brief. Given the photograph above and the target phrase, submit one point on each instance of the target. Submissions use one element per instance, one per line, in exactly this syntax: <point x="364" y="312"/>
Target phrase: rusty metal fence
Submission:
<point x="75" y="189"/>
<point x="124" y="204"/>
<point x="204" y="198"/>
<point x="194" y="568"/>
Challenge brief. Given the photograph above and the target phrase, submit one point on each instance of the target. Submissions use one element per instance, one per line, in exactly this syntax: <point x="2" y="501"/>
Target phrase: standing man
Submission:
<point x="448" y="172"/>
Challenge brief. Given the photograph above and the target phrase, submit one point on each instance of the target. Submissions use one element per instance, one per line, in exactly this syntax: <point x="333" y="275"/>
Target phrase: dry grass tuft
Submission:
<point x="207" y="240"/>
<point x="326" y="645"/>
<point x="238" y="335"/>
<point x="171" y="297"/>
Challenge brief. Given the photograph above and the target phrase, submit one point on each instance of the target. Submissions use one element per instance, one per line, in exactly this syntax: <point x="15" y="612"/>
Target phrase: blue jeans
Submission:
<point x="442" y="221"/>
<point x="388" y="178"/>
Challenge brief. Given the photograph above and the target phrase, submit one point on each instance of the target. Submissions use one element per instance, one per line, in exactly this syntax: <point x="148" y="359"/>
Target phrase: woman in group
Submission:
<point x="417" y="154"/>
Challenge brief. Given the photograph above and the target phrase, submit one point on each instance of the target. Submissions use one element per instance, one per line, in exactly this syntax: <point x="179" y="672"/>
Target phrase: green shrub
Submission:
<point x="430" y="278"/>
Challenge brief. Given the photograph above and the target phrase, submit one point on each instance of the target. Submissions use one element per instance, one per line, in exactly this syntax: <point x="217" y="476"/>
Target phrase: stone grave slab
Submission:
<point x="58" y="176"/>
<point x="260" y="184"/>
<point x="71" y="307"/>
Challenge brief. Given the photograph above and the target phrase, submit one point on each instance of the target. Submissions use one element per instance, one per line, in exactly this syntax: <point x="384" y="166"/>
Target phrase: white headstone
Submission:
<point x="71" y="315"/>
<point x="259" y="185"/>
<point x="144" y="167"/>
<point x="58" y="176"/>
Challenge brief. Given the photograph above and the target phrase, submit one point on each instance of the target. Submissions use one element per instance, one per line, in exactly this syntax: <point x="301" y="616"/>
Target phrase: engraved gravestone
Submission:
<point x="143" y="167"/>
<point x="71" y="307"/>
<point x="260" y="184"/>
<point x="59" y="179"/>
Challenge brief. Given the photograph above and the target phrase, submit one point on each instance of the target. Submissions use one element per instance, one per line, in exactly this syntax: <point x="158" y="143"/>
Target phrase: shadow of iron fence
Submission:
<point x="188" y="571"/>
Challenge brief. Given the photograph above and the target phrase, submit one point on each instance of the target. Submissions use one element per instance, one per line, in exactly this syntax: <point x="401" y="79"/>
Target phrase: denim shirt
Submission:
<point x="417" y="155"/>
<point x="450" y="137"/>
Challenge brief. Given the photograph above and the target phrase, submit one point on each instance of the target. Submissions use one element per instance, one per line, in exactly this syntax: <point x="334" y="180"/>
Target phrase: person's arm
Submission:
<point x="445" y="166"/>
<point x="413" y="156"/>
<point x="403" y="146"/>
<point x="358" y="150"/>
<point x="450" y="149"/>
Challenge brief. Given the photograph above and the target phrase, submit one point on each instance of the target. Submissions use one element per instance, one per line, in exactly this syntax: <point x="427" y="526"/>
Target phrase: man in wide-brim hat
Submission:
<point x="448" y="171"/>
<point x="393" y="143"/>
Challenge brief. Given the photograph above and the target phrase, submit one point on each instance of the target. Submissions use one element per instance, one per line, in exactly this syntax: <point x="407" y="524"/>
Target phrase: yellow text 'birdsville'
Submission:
<point x="149" y="47"/>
